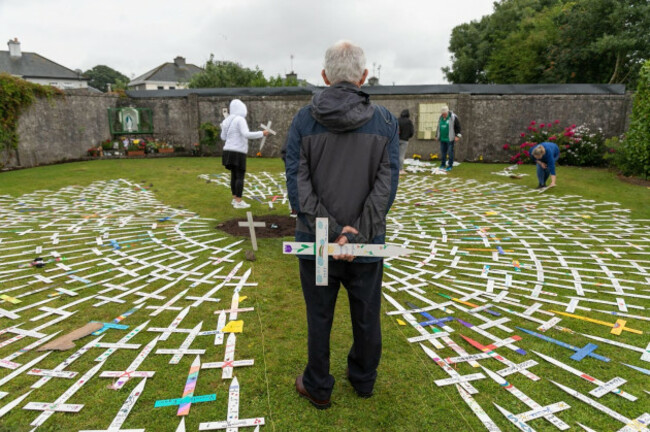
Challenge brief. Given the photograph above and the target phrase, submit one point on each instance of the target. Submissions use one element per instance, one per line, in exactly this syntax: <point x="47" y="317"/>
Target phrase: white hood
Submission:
<point x="234" y="129"/>
<point x="237" y="109"/>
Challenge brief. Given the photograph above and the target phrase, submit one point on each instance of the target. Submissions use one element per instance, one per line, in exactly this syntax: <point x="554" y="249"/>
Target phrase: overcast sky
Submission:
<point x="408" y="38"/>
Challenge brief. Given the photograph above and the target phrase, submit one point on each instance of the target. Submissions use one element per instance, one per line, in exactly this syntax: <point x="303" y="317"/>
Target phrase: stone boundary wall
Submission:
<point x="60" y="130"/>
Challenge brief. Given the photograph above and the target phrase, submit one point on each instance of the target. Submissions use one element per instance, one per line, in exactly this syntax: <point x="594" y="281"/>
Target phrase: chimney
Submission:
<point x="14" y="48"/>
<point x="373" y="81"/>
<point x="292" y="75"/>
<point x="180" y="62"/>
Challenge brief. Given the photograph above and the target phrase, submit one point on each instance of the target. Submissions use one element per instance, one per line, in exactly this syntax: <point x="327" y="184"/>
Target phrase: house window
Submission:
<point x="428" y="115"/>
<point x="172" y="88"/>
<point x="161" y="88"/>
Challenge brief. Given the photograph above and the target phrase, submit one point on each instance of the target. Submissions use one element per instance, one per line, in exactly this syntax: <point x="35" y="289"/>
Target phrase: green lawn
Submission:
<point x="275" y="335"/>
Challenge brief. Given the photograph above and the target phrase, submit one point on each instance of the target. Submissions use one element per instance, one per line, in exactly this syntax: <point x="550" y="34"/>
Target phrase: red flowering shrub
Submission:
<point x="578" y="146"/>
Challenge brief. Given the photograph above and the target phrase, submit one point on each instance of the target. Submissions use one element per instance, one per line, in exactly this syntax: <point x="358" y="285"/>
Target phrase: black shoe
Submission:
<point x="361" y="394"/>
<point x="541" y="186"/>
<point x="300" y="388"/>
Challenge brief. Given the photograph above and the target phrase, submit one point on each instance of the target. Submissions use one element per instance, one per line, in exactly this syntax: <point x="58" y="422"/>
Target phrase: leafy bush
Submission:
<point x="634" y="156"/>
<point x="210" y="134"/>
<point x="579" y="146"/>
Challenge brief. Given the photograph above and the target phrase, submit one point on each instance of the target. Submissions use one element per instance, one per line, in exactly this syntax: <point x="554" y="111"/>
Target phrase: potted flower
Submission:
<point x="95" y="151"/>
<point x="106" y="145"/>
<point x="151" y="147"/>
<point x="164" y="147"/>
<point x="134" y="149"/>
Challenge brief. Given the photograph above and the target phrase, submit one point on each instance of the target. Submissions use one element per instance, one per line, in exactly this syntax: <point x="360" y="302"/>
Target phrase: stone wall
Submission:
<point x="61" y="129"/>
<point x="64" y="129"/>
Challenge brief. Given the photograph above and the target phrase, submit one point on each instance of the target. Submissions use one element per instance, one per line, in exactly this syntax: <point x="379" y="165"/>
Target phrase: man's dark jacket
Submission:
<point x="342" y="162"/>
<point x="405" y="126"/>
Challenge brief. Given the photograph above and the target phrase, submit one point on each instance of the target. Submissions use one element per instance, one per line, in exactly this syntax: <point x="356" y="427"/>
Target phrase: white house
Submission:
<point x="167" y="76"/>
<point x="37" y="69"/>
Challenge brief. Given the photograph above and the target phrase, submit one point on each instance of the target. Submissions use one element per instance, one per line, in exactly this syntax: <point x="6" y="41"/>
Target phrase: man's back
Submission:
<point x="342" y="162"/>
<point x="342" y="159"/>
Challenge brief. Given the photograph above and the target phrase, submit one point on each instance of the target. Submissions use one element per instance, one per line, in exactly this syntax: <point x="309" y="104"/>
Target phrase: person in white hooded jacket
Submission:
<point x="234" y="131"/>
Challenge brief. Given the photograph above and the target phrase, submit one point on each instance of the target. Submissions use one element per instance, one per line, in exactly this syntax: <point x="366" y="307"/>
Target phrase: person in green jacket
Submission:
<point x="448" y="134"/>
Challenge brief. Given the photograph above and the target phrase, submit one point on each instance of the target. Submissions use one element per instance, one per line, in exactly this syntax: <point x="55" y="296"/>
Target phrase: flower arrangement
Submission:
<point x="95" y="151"/>
<point x="417" y="156"/>
<point x="107" y="144"/>
<point x="433" y="156"/>
<point x="578" y="145"/>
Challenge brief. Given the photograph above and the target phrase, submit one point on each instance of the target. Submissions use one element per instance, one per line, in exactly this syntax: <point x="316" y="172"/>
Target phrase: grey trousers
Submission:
<point x="403" y="145"/>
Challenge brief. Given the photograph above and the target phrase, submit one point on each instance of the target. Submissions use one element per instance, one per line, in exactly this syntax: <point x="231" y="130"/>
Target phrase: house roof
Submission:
<point x="32" y="65"/>
<point x="168" y="72"/>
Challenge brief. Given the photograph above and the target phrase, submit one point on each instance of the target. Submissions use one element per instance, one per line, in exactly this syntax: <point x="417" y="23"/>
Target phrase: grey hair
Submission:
<point x="539" y="151"/>
<point x="344" y="61"/>
<point x="444" y="109"/>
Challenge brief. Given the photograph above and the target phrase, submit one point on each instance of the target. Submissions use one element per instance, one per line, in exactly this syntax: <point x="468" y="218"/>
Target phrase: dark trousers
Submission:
<point x="446" y="147"/>
<point x="542" y="175"/>
<point x="237" y="181"/>
<point x="363" y="284"/>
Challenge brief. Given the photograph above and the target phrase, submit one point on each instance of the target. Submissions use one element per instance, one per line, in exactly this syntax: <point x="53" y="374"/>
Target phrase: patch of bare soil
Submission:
<point x="276" y="226"/>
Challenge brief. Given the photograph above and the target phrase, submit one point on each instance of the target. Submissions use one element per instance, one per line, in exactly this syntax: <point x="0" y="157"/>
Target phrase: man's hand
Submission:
<point x="265" y="132"/>
<point x="456" y="139"/>
<point x="542" y="164"/>
<point x="342" y="240"/>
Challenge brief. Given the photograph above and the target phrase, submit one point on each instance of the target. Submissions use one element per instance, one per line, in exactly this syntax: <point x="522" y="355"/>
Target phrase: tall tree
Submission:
<point x="220" y="74"/>
<point x="102" y="75"/>
<point x="472" y="44"/>
<point x="521" y="56"/>
<point x="603" y="41"/>
<point x="553" y="41"/>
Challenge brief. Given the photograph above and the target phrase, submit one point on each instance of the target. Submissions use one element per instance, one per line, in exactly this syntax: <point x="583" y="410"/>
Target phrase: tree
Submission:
<point x="472" y="44"/>
<point x="612" y="32"/>
<point x="553" y="41"/>
<point x="220" y="74"/>
<point x="521" y="56"/>
<point x="635" y="151"/>
<point x="102" y="75"/>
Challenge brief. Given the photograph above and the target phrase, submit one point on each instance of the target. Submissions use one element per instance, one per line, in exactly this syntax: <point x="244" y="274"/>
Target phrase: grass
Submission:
<point x="275" y="334"/>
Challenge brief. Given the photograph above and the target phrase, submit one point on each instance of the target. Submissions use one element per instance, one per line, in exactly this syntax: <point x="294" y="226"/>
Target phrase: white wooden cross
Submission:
<point x="173" y="327"/>
<point x="537" y="410"/>
<point x="229" y="361"/>
<point x="177" y="354"/>
<point x="121" y="344"/>
<point x="323" y="250"/>
<point x="67" y="362"/>
<point x="60" y="403"/>
<point x="129" y="402"/>
<point x="233" y="422"/>
<point x="251" y="227"/>
<point x="266" y="127"/>
<point x="132" y="370"/>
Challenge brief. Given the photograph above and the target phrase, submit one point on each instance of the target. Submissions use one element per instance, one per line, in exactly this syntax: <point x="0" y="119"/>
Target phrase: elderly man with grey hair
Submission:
<point x="342" y="163"/>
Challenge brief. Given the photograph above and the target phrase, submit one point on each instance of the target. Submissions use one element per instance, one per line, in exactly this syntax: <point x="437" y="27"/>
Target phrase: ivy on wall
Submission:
<point x="16" y="95"/>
